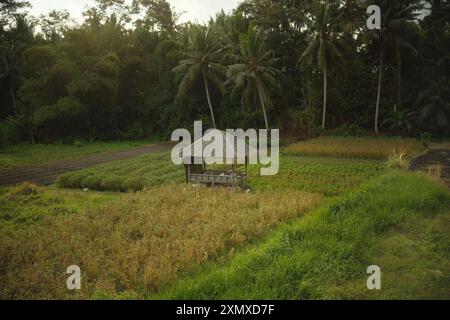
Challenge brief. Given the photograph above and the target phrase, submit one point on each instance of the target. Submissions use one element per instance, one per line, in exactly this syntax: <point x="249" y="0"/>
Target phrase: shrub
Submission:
<point x="10" y="132"/>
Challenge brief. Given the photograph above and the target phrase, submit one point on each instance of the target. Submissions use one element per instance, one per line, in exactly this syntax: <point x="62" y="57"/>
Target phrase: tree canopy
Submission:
<point x="131" y="70"/>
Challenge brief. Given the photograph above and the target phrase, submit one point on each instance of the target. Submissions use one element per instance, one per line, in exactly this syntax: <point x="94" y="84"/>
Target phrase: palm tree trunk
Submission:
<point x="264" y="109"/>
<point x="325" y="83"/>
<point x="13" y="98"/>
<point x="209" y="100"/>
<point x="399" y="75"/>
<point x="380" y="78"/>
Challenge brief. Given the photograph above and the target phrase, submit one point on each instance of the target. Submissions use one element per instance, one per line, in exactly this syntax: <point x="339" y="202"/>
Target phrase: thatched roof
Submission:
<point x="227" y="143"/>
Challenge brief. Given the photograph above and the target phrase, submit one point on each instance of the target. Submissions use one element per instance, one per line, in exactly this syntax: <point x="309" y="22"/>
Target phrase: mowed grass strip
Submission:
<point x="145" y="241"/>
<point x="400" y="222"/>
<point x="364" y="148"/>
<point x="125" y="175"/>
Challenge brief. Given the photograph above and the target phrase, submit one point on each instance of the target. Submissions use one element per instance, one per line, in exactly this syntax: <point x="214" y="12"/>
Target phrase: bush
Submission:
<point x="11" y="132"/>
<point x="425" y="139"/>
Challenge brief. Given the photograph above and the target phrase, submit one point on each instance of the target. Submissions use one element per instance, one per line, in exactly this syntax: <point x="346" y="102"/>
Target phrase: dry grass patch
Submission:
<point x="144" y="242"/>
<point x="366" y="148"/>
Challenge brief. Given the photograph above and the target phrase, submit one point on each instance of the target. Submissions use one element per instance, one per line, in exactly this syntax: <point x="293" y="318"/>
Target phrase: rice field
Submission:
<point x="364" y="148"/>
<point x="125" y="175"/>
<point x="322" y="175"/>
<point x="144" y="242"/>
<point x="327" y="176"/>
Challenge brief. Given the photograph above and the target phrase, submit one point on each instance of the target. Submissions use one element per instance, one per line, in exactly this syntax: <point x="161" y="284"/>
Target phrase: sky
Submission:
<point x="195" y="10"/>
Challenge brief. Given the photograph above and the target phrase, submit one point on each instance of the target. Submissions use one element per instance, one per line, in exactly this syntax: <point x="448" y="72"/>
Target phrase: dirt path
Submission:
<point x="47" y="174"/>
<point x="435" y="160"/>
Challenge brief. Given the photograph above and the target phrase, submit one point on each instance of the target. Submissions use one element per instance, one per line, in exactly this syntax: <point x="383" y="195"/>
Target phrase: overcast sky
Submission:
<point x="199" y="10"/>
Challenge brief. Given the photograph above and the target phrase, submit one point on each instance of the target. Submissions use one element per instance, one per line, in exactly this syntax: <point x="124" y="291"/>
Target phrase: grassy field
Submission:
<point x="126" y="175"/>
<point x="26" y="205"/>
<point x="174" y="240"/>
<point x="24" y="155"/>
<point x="400" y="222"/>
<point x="364" y="148"/>
<point x="140" y="243"/>
<point x="324" y="175"/>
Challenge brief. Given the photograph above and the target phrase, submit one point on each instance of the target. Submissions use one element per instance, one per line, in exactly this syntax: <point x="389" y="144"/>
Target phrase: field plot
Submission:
<point x="126" y="175"/>
<point x="141" y="243"/>
<point x="324" y="175"/>
<point x="364" y="148"/>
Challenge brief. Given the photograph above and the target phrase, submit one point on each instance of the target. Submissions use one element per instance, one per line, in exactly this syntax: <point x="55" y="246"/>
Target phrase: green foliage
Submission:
<point x="117" y="63"/>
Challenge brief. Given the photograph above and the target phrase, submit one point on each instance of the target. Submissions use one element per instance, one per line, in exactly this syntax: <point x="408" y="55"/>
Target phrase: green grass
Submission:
<point x="399" y="221"/>
<point x="126" y="175"/>
<point x="324" y="175"/>
<point x="25" y="155"/>
<point x="27" y="205"/>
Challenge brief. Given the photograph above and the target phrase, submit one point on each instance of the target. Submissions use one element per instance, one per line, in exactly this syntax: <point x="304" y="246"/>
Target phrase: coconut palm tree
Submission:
<point x="325" y="25"/>
<point x="395" y="21"/>
<point x="253" y="73"/>
<point x="203" y="63"/>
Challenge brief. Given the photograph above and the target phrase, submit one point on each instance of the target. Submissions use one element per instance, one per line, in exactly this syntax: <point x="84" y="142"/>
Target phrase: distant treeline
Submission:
<point x="130" y="71"/>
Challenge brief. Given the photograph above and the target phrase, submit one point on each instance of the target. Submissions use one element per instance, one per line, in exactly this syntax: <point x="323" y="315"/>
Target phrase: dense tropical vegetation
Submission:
<point x="132" y="70"/>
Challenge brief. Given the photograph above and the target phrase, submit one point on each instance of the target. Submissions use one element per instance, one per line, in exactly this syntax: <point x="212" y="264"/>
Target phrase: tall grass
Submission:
<point x="144" y="242"/>
<point x="400" y="222"/>
<point x="364" y="148"/>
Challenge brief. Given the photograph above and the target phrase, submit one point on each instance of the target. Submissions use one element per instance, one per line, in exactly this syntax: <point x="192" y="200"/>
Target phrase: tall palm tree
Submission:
<point x="395" y="17"/>
<point x="203" y="63"/>
<point x="325" y="25"/>
<point x="254" y="72"/>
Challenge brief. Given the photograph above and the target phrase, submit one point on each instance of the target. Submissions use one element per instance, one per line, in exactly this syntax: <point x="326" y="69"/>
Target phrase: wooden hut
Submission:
<point x="230" y="173"/>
